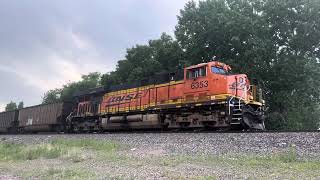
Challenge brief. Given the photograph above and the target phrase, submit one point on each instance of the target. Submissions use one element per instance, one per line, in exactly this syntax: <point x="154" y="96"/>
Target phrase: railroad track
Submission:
<point x="174" y="131"/>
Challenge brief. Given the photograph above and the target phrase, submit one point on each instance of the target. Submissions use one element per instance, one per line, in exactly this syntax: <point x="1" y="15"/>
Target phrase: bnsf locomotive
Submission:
<point x="206" y="95"/>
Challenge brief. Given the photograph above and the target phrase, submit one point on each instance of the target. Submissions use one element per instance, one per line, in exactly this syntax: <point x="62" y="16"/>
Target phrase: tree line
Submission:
<point x="14" y="106"/>
<point x="276" y="42"/>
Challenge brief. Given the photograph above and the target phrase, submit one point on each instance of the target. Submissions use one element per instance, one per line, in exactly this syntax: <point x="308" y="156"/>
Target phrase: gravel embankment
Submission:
<point x="306" y="144"/>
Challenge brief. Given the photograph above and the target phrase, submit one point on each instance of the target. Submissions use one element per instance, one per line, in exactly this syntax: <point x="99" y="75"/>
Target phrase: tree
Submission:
<point x="52" y="96"/>
<point x="110" y="79"/>
<point x="66" y="93"/>
<point x="89" y="81"/>
<point x="21" y="104"/>
<point x="11" y="106"/>
<point x="273" y="41"/>
<point x="141" y="61"/>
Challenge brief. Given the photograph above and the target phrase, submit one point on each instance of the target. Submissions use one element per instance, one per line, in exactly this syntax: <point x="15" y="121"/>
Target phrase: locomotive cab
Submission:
<point x="212" y="82"/>
<point x="209" y="79"/>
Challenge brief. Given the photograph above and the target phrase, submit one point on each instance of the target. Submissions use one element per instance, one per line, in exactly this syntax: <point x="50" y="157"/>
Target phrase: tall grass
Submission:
<point x="10" y="151"/>
<point x="54" y="149"/>
<point x="92" y="144"/>
<point x="66" y="174"/>
<point x="288" y="157"/>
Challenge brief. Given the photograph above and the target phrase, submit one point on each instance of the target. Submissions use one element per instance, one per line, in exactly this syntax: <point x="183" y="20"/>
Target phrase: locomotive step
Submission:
<point x="235" y="123"/>
<point x="237" y="109"/>
<point x="240" y="114"/>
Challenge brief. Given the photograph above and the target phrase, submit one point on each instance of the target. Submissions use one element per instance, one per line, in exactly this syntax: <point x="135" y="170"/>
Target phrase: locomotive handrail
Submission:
<point x="229" y="104"/>
<point x="244" y="93"/>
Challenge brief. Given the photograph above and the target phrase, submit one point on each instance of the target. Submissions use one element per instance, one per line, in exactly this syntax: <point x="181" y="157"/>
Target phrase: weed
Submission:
<point x="290" y="156"/>
<point x="76" y="158"/>
<point x="53" y="173"/>
<point x="87" y="144"/>
<point x="10" y="151"/>
<point x="44" y="151"/>
<point x="206" y="178"/>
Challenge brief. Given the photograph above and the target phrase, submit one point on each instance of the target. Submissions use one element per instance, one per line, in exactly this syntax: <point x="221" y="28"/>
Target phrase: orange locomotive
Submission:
<point x="208" y="96"/>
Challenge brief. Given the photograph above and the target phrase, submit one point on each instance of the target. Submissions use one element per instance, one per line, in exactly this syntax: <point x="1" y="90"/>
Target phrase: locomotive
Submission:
<point x="205" y="96"/>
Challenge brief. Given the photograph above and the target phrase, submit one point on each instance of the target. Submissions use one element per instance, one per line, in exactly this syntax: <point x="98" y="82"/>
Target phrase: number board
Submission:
<point x="199" y="84"/>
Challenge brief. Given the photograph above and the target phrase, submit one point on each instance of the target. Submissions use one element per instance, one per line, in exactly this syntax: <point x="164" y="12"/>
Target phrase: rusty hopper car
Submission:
<point x="42" y="118"/>
<point x="8" y="121"/>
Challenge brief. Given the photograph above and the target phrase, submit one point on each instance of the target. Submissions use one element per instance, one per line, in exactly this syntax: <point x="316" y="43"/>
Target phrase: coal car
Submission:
<point x="44" y="118"/>
<point x="9" y="121"/>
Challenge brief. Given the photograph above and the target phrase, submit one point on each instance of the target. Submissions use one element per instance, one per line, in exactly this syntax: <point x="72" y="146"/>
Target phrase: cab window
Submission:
<point x="196" y="72"/>
<point x="218" y="70"/>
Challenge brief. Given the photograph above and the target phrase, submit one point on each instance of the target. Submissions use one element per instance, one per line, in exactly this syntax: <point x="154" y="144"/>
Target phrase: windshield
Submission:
<point x="218" y="70"/>
<point x="197" y="72"/>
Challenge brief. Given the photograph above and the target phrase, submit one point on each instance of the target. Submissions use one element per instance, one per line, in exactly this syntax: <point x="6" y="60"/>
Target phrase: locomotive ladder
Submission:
<point x="235" y="108"/>
<point x="236" y="113"/>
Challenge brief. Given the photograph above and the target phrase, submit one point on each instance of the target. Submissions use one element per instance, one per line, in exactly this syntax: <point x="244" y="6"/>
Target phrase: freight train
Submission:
<point x="205" y="96"/>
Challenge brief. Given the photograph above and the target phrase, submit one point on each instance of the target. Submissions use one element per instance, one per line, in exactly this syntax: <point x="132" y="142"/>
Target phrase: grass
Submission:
<point x="289" y="157"/>
<point x="55" y="149"/>
<point x="206" y="178"/>
<point x="54" y="173"/>
<point x="73" y="156"/>
<point x="281" y="160"/>
<point x="284" y="164"/>
<point x="10" y="151"/>
<point x="67" y="174"/>
<point x="91" y="144"/>
<point x="81" y="149"/>
<point x="68" y="152"/>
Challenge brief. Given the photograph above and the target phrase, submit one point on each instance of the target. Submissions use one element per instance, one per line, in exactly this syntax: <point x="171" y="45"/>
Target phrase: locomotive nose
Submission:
<point x="238" y="85"/>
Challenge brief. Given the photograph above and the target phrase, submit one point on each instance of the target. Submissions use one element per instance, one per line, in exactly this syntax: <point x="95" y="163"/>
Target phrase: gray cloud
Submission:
<point x="44" y="44"/>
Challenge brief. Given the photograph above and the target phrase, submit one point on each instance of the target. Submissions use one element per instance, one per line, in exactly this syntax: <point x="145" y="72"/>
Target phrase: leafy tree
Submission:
<point x="21" y="104"/>
<point x="273" y="41"/>
<point x="142" y="61"/>
<point x="109" y="79"/>
<point x="52" y="96"/>
<point x="11" y="106"/>
<point x="89" y="81"/>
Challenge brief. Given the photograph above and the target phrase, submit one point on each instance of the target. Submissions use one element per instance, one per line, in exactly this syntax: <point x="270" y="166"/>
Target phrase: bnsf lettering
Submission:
<point x="124" y="97"/>
<point x="129" y="97"/>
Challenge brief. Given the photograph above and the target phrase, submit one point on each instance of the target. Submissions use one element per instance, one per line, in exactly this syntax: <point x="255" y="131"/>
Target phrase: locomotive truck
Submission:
<point x="206" y="96"/>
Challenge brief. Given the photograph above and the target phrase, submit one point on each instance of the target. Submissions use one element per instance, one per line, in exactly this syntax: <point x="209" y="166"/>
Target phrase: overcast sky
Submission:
<point x="46" y="43"/>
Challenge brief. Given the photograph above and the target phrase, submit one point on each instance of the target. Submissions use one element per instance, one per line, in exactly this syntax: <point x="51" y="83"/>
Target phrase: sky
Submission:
<point x="47" y="43"/>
